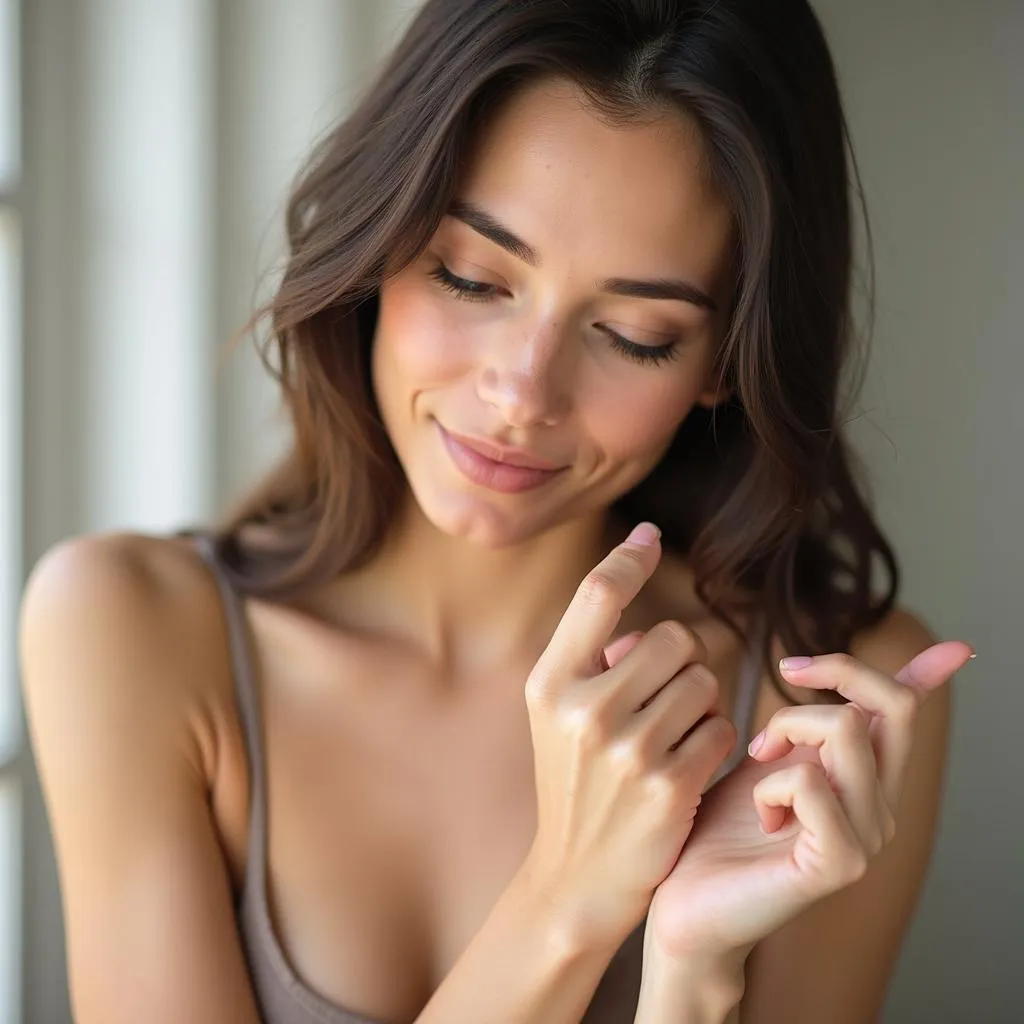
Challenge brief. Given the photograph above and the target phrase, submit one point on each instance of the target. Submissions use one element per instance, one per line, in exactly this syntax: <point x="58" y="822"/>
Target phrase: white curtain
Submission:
<point x="160" y="141"/>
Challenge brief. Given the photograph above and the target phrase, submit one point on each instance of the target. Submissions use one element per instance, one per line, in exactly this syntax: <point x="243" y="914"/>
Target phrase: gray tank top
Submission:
<point x="282" y="997"/>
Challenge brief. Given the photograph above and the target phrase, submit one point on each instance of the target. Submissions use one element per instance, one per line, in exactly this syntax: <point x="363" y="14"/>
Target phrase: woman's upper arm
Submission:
<point x="834" y="961"/>
<point x="112" y="702"/>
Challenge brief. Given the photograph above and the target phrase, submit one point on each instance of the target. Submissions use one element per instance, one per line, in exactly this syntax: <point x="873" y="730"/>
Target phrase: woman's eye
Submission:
<point x="478" y="291"/>
<point x="651" y="354"/>
<point x="461" y="286"/>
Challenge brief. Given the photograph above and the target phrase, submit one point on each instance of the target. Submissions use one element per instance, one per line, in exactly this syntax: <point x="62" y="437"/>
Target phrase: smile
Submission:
<point x="496" y="476"/>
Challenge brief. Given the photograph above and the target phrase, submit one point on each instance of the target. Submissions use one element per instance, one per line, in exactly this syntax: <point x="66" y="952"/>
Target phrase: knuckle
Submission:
<point x="849" y="722"/>
<point x="783" y="720"/>
<point x="724" y="731"/>
<point x="684" y="777"/>
<point x="662" y="788"/>
<point x="718" y="737"/>
<point x="856" y="865"/>
<point x="629" y="757"/>
<point x="904" y="705"/>
<point x="676" y="636"/>
<point x="633" y="558"/>
<point x="585" y="725"/>
<point x="808" y="775"/>
<point x="538" y="689"/>
<point x="597" y="588"/>
<point x="535" y="693"/>
<point x="703" y="678"/>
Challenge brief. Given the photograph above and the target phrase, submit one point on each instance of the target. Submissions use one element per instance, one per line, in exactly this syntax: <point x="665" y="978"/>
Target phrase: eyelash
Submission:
<point x="469" y="291"/>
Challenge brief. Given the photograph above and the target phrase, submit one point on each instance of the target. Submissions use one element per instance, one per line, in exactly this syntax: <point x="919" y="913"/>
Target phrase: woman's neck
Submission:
<point x="469" y="608"/>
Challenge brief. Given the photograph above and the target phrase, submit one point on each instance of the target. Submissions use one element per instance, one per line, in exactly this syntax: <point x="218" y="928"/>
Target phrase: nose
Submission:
<point x="527" y="378"/>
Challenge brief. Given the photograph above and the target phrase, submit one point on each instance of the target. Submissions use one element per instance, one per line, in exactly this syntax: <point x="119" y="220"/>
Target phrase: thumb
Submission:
<point x="619" y="648"/>
<point x="934" y="666"/>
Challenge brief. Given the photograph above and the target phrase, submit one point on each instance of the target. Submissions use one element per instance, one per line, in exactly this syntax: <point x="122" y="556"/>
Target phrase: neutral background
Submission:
<point x="159" y="139"/>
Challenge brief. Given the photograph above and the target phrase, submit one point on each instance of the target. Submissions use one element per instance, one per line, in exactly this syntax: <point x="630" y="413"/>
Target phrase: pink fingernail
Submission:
<point x="755" y="744"/>
<point x="644" y="534"/>
<point x="795" y="663"/>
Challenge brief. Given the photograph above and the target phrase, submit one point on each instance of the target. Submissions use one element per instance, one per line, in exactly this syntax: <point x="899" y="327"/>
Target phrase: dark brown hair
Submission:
<point x="759" y="495"/>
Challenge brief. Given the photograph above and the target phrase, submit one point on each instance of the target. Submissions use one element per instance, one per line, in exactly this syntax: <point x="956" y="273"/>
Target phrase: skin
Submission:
<point x="533" y="367"/>
<point x="393" y="698"/>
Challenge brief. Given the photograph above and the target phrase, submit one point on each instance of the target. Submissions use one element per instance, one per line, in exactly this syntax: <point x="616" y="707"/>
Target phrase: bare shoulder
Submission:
<point x="126" y="681"/>
<point x="92" y="571"/>
<point x="126" y="622"/>
<point x="891" y="643"/>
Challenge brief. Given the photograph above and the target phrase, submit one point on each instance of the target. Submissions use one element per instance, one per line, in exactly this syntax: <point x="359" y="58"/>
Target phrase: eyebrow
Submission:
<point x="659" y="288"/>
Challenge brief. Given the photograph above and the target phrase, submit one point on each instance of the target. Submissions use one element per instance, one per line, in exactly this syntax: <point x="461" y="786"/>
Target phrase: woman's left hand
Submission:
<point x="804" y="815"/>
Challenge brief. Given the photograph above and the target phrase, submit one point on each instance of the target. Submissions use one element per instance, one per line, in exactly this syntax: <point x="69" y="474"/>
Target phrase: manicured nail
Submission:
<point x="971" y="657"/>
<point x="792" y="664"/>
<point x="644" y="534"/>
<point x="755" y="744"/>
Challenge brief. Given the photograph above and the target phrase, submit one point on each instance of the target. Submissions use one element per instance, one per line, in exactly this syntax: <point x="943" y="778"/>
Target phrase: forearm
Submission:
<point x="525" y="966"/>
<point x="694" y="992"/>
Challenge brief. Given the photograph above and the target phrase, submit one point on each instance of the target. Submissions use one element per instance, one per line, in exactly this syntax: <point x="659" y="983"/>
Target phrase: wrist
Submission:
<point x="568" y="929"/>
<point x="698" y="989"/>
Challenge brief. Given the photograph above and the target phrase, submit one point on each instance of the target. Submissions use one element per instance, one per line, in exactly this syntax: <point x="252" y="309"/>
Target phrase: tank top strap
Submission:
<point x="747" y="686"/>
<point x="247" y="698"/>
<point x="281" y="994"/>
<point x="745" y="697"/>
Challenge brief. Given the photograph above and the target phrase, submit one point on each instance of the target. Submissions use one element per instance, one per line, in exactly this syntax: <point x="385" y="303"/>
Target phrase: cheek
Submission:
<point x="637" y="423"/>
<point x="418" y="340"/>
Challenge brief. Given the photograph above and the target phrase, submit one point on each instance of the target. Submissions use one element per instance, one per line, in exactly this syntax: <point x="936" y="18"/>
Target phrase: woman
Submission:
<point x="418" y="733"/>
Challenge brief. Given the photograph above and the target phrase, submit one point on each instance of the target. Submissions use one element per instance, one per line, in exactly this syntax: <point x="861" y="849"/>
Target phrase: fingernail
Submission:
<point x="644" y="534"/>
<point x="755" y="744"/>
<point x="971" y="657"/>
<point x="792" y="664"/>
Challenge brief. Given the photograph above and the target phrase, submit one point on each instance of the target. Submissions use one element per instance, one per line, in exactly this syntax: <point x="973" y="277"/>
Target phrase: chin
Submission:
<point x="476" y="520"/>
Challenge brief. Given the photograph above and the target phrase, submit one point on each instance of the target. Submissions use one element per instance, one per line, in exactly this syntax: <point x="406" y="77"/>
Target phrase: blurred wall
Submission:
<point x="935" y="96"/>
<point x="160" y="140"/>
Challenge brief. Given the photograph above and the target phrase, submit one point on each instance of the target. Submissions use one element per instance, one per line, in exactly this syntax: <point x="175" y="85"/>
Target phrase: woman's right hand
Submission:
<point x="616" y="790"/>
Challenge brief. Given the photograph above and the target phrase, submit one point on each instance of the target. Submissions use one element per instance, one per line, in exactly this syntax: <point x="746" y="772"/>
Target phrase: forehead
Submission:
<point x="558" y="174"/>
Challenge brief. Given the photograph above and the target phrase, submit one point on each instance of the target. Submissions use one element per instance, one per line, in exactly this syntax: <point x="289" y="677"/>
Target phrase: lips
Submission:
<point x="503" y="477"/>
<point x="506" y="456"/>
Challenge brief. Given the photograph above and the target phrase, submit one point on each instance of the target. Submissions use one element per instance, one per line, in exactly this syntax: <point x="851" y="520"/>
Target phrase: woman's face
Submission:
<point x="568" y="307"/>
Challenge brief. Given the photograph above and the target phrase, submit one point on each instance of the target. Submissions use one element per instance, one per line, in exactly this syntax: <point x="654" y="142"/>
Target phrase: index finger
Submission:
<point x="576" y="646"/>
<point x="891" y="700"/>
